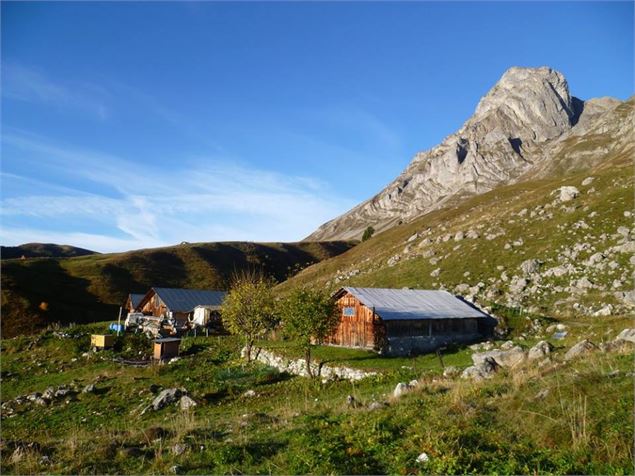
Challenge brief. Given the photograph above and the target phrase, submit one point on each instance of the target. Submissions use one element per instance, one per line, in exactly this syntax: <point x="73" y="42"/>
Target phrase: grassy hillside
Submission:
<point x="42" y="250"/>
<point x="477" y="248"/>
<point x="549" y="418"/>
<point x="36" y="292"/>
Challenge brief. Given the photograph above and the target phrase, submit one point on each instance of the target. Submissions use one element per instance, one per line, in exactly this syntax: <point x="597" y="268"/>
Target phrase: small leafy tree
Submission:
<point x="368" y="232"/>
<point x="248" y="309"/>
<point x="308" y="316"/>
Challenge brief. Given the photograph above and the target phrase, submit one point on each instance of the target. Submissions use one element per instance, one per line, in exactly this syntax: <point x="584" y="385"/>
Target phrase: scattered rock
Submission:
<point x="567" y="193"/>
<point x="628" y="335"/>
<point x="540" y="350"/>
<point x="504" y="358"/>
<point x="530" y="266"/>
<point x="374" y="405"/>
<point x="249" y="394"/>
<point x="423" y="458"/>
<point x="580" y="348"/>
<point x="587" y="181"/>
<point x="178" y="449"/>
<point x="90" y="388"/>
<point x="401" y="389"/>
<point x="352" y="402"/>
<point x="186" y="403"/>
<point x="606" y="310"/>
<point x="485" y="369"/>
<point x="167" y="396"/>
<point x="542" y="394"/>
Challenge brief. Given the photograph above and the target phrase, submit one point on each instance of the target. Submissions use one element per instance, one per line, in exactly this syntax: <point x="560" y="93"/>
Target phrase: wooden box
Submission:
<point x="102" y="341"/>
<point x="166" y="348"/>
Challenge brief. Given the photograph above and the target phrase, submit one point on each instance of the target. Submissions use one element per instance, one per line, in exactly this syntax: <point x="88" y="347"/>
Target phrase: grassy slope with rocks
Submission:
<point x="477" y="248"/>
<point x="90" y="288"/>
<point x="553" y="418"/>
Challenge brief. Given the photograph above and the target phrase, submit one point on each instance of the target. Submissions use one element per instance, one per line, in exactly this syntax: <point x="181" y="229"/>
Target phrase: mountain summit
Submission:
<point x="526" y="111"/>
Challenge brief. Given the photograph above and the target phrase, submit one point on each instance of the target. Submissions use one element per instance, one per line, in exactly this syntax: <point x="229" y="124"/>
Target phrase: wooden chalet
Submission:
<point x="405" y="321"/>
<point x="178" y="303"/>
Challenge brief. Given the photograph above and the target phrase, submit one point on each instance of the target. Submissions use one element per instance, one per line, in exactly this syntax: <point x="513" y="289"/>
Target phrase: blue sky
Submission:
<point x="131" y="125"/>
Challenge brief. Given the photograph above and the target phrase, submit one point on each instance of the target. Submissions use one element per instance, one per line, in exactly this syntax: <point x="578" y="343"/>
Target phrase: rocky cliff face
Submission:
<point x="518" y="125"/>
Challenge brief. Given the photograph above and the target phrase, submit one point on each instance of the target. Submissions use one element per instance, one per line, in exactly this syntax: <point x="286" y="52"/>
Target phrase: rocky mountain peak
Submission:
<point x="512" y="131"/>
<point x="532" y="102"/>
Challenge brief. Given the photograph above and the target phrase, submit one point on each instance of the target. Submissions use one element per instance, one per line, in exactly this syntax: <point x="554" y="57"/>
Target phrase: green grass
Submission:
<point x="295" y="425"/>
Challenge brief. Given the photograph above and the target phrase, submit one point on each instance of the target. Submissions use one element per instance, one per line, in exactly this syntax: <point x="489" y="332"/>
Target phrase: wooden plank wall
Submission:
<point x="357" y="330"/>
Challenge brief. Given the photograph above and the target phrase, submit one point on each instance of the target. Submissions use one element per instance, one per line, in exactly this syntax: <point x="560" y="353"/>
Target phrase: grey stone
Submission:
<point x="628" y="335"/>
<point x="165" y="397"/>
<point x="376" y="405"/>
<point x="581" y="348"/>
<point x="530" y="266"/>
<point x="567" y="193"/>
<point x="186" y="403"/>
<point x="486" y="369"/>
<point x="90" y="388"/>
<point x="541" y="350"/>
<point x="401" y="389"/>
<point x="504" y="358"/>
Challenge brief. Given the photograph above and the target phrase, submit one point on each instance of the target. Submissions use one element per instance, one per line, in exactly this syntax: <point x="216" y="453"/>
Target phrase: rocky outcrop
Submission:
<point x="526" y="121"/>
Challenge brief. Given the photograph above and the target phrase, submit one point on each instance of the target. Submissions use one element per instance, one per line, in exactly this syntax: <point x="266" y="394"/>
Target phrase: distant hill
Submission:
<point x="36" y="292"/>
<point x="42" y="250"/>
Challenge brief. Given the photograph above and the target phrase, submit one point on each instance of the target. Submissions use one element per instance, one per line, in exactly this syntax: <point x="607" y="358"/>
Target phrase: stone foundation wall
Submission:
<point x="298" y="367"/>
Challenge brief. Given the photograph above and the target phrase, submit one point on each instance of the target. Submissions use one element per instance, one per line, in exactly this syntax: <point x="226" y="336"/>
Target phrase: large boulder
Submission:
<point x="166" y="397"/>
<point x="582" y="347"/>
<point x="485" y="369"/>
<point x="504" y="358"/>
<point x="540" y="350"/>
<point x="567" y="193"/>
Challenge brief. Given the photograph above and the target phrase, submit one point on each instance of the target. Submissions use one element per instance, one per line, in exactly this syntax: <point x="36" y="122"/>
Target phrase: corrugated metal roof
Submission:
<point x="393" y="304"/>
<point x="184" y="300"/>
<point x="135" y="299"/>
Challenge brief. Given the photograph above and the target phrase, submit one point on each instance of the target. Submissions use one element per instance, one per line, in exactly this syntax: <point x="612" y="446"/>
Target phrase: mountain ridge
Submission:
<point x="512" y="127"/>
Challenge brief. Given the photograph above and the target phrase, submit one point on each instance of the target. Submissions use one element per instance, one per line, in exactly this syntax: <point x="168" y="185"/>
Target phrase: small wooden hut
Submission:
<point x="166" y="348"/>
<point x="405" y="321"/>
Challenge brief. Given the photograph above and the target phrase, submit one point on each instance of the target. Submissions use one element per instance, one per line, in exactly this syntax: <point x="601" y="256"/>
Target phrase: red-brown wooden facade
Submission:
<point x="360" y="329"/>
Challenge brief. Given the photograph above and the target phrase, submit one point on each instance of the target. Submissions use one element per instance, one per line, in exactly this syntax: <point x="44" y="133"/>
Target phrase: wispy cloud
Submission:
<point x="28" y="84"/>
<point x="205" y="199"/>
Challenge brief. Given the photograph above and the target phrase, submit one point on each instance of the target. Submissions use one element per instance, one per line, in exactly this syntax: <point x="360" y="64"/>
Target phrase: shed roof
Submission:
<point x="135" y="299"/>
<point x="397" y="304"/>
<point x="184" y="300"/>
<point x="165" y="340"/>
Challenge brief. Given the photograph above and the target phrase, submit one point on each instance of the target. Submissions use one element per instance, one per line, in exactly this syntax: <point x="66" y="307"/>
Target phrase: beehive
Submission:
<point x="102" y="341"/>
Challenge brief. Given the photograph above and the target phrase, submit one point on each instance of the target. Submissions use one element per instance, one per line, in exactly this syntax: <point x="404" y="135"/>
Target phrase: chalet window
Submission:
<point x="348" y="311"/>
